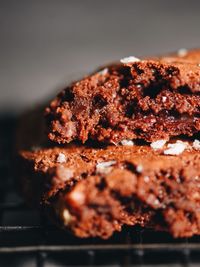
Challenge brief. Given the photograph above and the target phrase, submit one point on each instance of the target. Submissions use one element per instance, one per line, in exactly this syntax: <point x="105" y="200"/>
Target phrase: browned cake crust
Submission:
<point x="95" y="191"/>
<point x="148" y="99"/>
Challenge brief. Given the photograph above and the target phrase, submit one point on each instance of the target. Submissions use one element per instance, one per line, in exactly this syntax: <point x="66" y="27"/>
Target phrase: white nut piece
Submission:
<point x="182" y="52"/>
<point x="158" y="144"/>
<point x="61" y="158"/>
<point x="139" y="168"/>
<point x="196" y="144"/>
<point x="105" y="167"/>
<point x="66" y="217"/>
<point x="130" y="59"/>
<point x="127" y="142"/>
<point x="176" y="148"/>
<point x="103" y="71"/>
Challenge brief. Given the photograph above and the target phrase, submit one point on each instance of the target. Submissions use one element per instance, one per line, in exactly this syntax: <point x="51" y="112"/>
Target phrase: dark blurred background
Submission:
<point x="46" y="44"/>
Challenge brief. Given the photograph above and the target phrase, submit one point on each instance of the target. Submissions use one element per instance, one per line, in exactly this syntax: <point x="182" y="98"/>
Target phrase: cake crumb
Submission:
<point x="158" y="144"/>
<point x="64" y="174"/>
<point x="196" y="196"/>
<point x="196" y="144"/>
<point x="146" y="179"/>
<point x="61" y="158"/>
<point x="105" y="167"/>
<point x="130" y="59"/>
<point x="127" y="142"/>
<point x="176" y="148"/>
<point x="182" y="52"/>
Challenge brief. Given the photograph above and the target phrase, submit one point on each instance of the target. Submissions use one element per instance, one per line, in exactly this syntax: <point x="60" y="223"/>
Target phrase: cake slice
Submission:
<point x="95" y="191"/>
<point x="149" y="99"/>
<point x="52" y="178"/>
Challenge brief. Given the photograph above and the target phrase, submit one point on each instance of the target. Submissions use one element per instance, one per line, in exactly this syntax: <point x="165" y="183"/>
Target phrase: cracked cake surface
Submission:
<point x="149" y="99"/>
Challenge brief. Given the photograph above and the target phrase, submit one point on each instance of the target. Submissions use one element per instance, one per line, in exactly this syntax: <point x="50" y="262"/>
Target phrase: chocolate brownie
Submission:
<point x="149" y="99"/>
<point x="95" y="191"/>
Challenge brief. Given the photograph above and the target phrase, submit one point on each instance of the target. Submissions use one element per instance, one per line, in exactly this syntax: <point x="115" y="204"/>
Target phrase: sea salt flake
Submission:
<point x="105" y="167"/>
<point x="182" y="52"/>
<point x="176" y="148"/>
<point x="61" y="158"/>
<point x="164" y="99"/>
<point x="158" y="144"/>
<point x="103" y="72"/>
<point x="196" y="144"/>
<point x="127" y="142"/>
<point x="139" y="168"/>
<point x="130" y="59"/>
<point x="66" y="216"/>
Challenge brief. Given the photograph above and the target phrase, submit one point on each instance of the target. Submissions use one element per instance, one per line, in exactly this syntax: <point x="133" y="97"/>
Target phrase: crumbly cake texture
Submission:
<point x="149" y="99"/>
<point x="95" y="191"/>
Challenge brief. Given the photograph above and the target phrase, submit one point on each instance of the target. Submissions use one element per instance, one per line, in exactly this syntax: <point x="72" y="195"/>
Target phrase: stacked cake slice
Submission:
<point x="123" y="149"/>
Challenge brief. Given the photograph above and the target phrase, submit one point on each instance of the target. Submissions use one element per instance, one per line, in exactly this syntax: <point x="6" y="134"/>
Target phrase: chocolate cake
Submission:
<point x="139" y="120"/>
<point x="95" y="191"/>
<point x="149" y="99"/>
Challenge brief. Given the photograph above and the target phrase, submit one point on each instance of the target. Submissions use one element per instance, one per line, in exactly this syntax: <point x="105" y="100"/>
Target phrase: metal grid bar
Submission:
<point x="46" y="243"/>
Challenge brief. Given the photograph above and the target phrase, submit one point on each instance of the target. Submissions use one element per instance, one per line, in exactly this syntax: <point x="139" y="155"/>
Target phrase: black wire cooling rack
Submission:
<point x="28" y="239"/>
